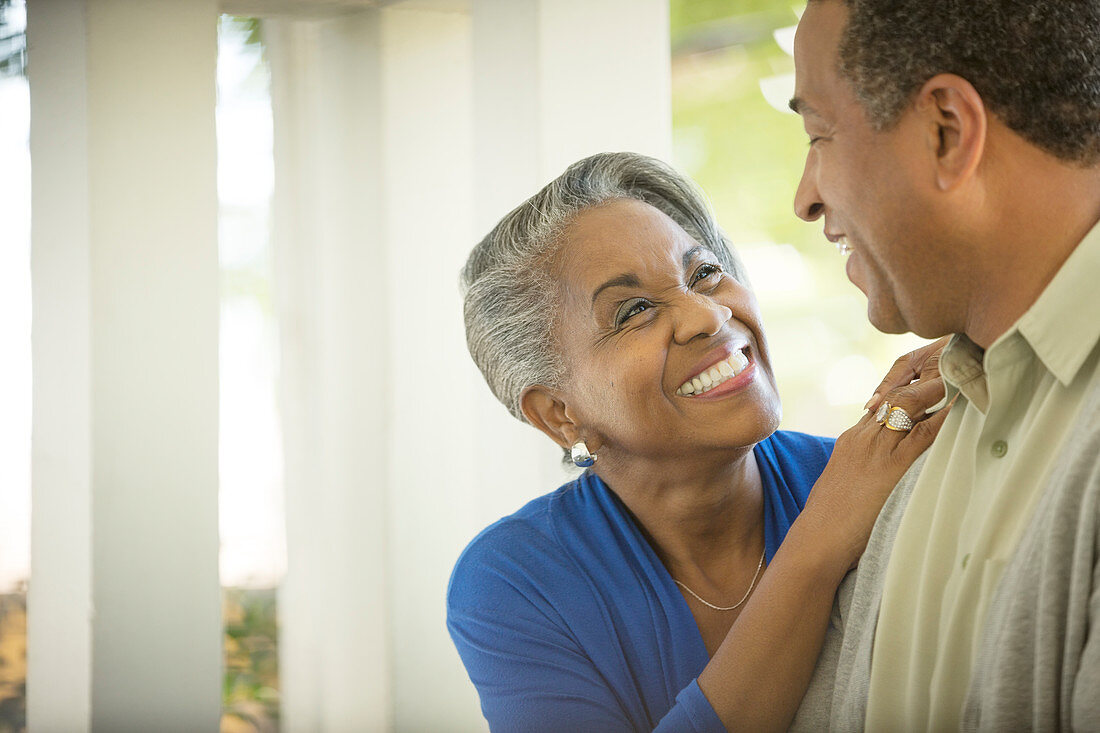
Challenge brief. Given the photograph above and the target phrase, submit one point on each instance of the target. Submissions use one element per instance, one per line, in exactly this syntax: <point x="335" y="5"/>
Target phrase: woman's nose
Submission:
<point x="807" y="199"/>
<point x="699" y="315"/>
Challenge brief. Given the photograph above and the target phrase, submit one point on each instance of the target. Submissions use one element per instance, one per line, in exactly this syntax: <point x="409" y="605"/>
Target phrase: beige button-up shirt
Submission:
<point x="976" y="492"/>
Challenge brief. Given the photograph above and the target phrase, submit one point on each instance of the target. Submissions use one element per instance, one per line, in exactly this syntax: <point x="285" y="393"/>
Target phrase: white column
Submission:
<point x="402" y="134"/>
<point x="435" y="446"/>
<point x="554" y="81"/>
<point x="333" y="307"/>
<point x="59" y="644"/>
<point x="124" y="609"/>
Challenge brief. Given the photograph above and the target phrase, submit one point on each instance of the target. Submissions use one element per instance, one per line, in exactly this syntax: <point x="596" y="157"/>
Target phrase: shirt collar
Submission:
<point x="1063" y="324"/>
<point x="961" y="366"/>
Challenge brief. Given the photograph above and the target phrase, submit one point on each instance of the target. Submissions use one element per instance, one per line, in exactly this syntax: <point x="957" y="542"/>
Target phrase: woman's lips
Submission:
<point x="723" y="377"/>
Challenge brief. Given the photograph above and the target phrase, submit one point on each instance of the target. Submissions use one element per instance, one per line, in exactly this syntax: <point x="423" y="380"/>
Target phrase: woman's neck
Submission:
<point x="701" y="520"/>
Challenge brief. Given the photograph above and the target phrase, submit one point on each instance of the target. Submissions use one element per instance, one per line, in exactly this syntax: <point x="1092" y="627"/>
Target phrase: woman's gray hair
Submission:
<point x="511" y="298"/>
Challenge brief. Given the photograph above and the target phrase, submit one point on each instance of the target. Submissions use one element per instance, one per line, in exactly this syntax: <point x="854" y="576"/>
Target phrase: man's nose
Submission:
<point x="699" y="315"/>
<point x="807" y="199"/>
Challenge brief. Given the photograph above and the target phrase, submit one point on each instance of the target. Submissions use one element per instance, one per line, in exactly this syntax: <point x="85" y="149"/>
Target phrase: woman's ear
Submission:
<point x="544" y="409"/>
<point x="957" y="124"/>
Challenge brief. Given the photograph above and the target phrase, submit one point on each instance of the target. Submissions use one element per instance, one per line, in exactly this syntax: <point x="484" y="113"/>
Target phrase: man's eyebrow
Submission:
<point x="798" y="106"/>
<point x="622" y="281"/>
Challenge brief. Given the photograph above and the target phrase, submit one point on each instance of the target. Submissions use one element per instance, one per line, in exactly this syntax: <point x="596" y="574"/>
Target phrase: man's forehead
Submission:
<point x="819" y="31"/>
<point x="815" y="56"/>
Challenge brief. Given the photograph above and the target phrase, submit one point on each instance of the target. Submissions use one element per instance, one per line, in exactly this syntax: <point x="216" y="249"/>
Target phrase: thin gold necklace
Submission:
<point x="744" y="598"/>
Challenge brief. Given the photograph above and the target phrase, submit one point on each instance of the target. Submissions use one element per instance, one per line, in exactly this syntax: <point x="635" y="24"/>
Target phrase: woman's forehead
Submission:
<point x="626" y="235"/>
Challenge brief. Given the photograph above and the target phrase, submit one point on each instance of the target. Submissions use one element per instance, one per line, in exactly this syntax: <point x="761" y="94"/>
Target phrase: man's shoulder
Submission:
<point x="1079" y="455"/>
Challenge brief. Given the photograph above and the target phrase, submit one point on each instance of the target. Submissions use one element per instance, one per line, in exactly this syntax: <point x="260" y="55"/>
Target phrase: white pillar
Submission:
<point x="124" y="608"/>
<point x="333" y="308"/>
<point x="555" y="81"/>
<point x="59" y="644"/>
<point x="427" y="109"/>
<point x="402" y="134"/>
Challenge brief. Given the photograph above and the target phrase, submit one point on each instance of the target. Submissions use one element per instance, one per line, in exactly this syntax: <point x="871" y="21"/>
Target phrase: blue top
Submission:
<point x="566" y="619"/>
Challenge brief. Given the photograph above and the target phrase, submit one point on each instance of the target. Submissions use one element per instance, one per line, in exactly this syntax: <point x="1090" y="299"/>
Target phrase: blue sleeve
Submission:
<point x="527" y="665"/>
<point x="692" y="712"/>
<point x="528" y="669"/>
<point x="530" y="675"/>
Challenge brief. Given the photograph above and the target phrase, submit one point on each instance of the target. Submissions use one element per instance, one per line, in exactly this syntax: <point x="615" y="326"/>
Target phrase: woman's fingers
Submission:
<point x="915" y="398"/>
<point x="921" y="436"/>
<point x="917" y="364"/>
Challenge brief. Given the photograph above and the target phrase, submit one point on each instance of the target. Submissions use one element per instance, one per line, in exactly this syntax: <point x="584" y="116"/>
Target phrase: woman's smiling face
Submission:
<point x="664" y="352"/>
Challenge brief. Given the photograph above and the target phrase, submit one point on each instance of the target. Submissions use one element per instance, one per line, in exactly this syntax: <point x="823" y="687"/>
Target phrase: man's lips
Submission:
<point x="840" y="240"/>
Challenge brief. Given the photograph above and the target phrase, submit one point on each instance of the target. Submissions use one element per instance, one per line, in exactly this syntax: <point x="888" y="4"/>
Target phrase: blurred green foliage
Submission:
<point x="748" y="156"/>
<point x="250" y="688"/>
<point x="13" y="41"/>
<point x="13" y="662"/>
<point x="250" y="698"/>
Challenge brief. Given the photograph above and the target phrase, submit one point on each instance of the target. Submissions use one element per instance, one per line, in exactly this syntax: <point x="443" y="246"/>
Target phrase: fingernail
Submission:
<point x="871" y="402"/>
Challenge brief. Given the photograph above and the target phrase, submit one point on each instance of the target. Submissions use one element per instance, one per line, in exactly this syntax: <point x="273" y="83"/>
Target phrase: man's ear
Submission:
<point x="545" y="409"/>
<point x="957" y="124"/>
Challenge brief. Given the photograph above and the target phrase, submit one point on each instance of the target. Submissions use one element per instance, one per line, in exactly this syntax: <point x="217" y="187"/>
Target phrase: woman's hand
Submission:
<point x="757" y="677"/>
<point x="870" y="458"/>
<point x="918" y="364"/>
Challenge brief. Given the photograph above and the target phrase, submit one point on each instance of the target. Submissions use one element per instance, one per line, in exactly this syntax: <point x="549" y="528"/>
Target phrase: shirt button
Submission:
<point x="999" y="449"/>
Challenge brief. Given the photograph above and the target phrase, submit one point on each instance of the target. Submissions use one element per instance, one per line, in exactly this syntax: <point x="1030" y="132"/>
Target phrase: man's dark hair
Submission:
<point x="1036" y="63"/>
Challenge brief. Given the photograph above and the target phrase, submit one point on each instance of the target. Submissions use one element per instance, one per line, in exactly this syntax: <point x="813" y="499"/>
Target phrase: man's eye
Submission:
<point x="708" y="270"/>
<point x="631" y="308"/>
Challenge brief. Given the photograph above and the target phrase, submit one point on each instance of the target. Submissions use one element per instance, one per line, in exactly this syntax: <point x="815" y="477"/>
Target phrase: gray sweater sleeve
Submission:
<point x="1038" y="666"/>
<point x="837" y="696"/>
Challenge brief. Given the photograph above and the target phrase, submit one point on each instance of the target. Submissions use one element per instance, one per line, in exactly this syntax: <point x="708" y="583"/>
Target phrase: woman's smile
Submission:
<point x="732" y="372"/>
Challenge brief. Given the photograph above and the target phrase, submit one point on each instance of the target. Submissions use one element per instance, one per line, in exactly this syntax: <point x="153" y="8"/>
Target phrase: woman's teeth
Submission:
<point x="842" y="246"/>
<point x="717" y="374"/>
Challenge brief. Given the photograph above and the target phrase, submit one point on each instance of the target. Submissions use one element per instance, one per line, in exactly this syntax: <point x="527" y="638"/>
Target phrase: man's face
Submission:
<point x="863" y="183"/>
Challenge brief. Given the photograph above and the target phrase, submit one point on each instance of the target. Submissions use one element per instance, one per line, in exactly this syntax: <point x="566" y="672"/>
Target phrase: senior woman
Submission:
<point x="610" y="312"/>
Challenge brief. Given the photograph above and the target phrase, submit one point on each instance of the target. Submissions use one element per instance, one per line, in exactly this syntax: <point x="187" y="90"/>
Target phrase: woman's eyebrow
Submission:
<point x="622" y="281"/>
<point x="628" y="280"/>
<point x="690" y="254"/>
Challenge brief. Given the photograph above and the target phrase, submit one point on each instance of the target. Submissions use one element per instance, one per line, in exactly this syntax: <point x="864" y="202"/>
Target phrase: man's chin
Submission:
<point x="887" y="320"/>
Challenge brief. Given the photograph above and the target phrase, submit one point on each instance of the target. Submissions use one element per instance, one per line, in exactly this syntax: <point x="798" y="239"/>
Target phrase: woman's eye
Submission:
<point x="629" y="309"/>
<point x="706" y="271"/>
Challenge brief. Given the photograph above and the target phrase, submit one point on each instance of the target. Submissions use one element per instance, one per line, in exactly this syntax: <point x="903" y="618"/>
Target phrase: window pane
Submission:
<point x="250" y="495"/>
<point x="15" y="366"/>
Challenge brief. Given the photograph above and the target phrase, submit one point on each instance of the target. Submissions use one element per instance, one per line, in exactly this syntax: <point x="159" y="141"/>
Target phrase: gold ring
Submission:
<point x="899" y="420"/>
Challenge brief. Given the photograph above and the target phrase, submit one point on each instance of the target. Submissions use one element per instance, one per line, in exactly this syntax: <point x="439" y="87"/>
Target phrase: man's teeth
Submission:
<point x="717" y="374"/>
<point x="842" y="246"/>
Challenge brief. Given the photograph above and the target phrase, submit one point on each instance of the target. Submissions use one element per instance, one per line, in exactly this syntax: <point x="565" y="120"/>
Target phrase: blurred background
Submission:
<point x="336" y="501"/>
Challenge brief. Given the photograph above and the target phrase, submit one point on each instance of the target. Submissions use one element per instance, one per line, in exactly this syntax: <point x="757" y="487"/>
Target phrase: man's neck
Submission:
<point x="1043" y="219"/>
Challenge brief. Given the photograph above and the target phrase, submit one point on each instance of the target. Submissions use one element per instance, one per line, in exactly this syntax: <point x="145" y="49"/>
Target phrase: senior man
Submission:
<point x="955" y="154"/>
